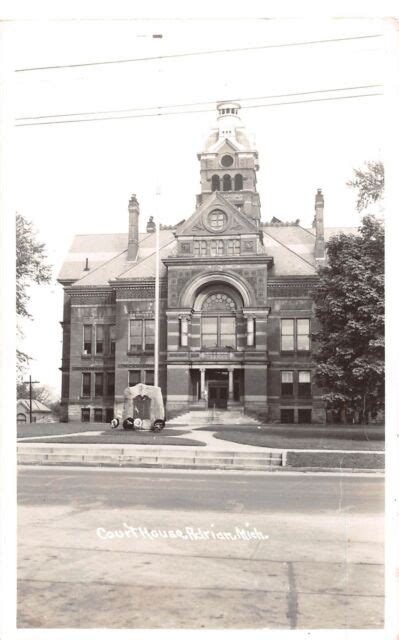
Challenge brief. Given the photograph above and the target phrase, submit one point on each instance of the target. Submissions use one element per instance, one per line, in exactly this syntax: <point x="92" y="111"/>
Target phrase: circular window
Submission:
<point x="227" y="161"/>
<point x="217" y="219"/>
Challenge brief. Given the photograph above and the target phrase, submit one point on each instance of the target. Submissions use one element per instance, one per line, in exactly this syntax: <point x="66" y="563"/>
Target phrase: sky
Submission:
<point x="77" y="177"/>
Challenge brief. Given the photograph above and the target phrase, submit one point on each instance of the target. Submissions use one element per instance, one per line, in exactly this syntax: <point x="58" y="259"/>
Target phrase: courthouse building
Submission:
<point x="236" y="314"/>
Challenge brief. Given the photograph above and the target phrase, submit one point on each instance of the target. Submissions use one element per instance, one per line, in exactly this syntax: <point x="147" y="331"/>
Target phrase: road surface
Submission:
<point x="167" y="549"/>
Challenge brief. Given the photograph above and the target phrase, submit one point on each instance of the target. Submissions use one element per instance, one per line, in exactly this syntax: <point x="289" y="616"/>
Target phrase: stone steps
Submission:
<point x="213" y="417"/>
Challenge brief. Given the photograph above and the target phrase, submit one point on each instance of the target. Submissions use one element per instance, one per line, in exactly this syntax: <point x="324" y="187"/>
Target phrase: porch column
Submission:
<point x="231" y="372"/>
<point x="202" y="383"/>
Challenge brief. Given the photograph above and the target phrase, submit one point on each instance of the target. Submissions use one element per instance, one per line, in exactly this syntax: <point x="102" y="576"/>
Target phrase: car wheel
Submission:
<point x="128" y="423"/>
<point x="158" y="425"/>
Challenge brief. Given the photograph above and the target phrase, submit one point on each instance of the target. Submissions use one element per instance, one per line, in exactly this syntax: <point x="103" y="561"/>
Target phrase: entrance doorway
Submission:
<point x="218" y="393"/>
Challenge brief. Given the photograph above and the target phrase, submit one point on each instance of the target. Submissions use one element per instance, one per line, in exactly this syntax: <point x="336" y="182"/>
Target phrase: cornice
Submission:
<point x="219" y="260"/>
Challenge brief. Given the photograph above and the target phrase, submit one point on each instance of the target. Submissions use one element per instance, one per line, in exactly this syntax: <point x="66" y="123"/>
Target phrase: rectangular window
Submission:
<point x="87" y="339"/>
<point x="287" y="383"/>
<point x="112" y="339"/>
<point x="110" y="383"/>
<point x="287" y="416"/>
<point x="305" y="416"/>
<point x="303" y="334"/>
<point x="209" y="330"/>
<point x="99" y="338"/>
<point x="134" y="377"/>
<point x="228" y="332"/>
<point x="98" y="384"/>
<point x="85" y="415"/>
<point x="149" y="376"/>
<point x="86" y="384"/>
<point x="287" y="335"/>
<point x="304" y="383"/>
<point x="136" y="335"/>
<point x="142" y="335"/>
<point x="218" y="332"/>
<point x="149" y="335"/>
<point x="98" y="415"/>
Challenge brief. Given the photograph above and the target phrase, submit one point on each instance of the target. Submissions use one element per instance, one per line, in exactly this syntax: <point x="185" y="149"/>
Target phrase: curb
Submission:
<point x="166" y="458"/>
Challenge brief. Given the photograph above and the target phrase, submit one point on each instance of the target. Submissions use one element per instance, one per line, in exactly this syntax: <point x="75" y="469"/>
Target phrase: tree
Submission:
<point x="31" y="268"/>
<point x="369" y="183"/>
<point x="349" y="301"/>
<point x="41" y="393"/>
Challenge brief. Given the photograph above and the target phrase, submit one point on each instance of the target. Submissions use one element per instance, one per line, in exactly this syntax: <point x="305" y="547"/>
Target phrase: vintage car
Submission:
<point x="143" y="408"/>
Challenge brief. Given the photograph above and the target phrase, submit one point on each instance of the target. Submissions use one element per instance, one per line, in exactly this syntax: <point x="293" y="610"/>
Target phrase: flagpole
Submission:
<point x="156" y="333"/>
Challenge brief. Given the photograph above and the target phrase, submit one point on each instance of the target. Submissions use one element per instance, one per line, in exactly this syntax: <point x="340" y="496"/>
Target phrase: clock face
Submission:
<point x="227" y="161"/>
<point x="217" y="219"/>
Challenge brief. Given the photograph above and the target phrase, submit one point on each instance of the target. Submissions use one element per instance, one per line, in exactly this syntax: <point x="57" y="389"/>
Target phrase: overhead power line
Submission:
<point x="198" y="53"/>
<point x="176" y="113"/>
<point x="195" y="104"/>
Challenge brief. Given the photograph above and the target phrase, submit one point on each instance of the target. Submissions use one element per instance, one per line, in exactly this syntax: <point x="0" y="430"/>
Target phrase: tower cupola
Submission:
<point x="229" y="162"/>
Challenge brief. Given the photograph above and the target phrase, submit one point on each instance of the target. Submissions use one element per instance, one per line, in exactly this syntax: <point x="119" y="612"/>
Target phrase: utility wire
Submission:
<point x="198" y="53"/>
<point x="175" y="113"/>
<point x="194" y="104"/>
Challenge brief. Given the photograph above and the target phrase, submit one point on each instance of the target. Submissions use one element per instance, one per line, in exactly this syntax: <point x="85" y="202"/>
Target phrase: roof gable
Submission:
<point x="198" y="224"/>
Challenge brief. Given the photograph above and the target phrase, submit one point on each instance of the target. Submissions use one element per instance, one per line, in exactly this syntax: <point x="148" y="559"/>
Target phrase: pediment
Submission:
<point x="217" y="217"/>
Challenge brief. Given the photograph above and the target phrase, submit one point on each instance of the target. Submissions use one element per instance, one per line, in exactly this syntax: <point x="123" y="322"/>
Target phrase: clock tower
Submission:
<point x="229" y="162"/>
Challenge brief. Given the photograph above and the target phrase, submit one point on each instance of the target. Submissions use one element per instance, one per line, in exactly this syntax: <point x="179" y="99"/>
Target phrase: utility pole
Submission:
<point x="30" y="382"/>
<point x="156" y="336"/>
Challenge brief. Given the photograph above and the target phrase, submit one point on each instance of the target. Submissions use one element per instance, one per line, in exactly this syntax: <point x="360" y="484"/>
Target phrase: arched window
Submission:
<point x="238" y="182"/>
<point x="21" y="417"/>
<point x="215" y="183"/>
<point x="226" y="183"/>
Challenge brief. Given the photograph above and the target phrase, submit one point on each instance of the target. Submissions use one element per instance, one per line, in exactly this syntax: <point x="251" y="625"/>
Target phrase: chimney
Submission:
<point x="151" y="225"/>
<point x="319" y="249"/>
<point x="133" y="243"/>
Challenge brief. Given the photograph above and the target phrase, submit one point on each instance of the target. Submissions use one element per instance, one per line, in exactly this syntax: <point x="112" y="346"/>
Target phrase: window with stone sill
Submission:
<point x="99" y="384"/>
<point x="287" y="383"/>
<point x="218" y="332"/>
<point x="141" y="335"/>
<point x="110" y="383"/>
<point x="295" y="334"/>
<point x="87" y="339"/>
<point x="86" y="384"/>
<point x="99" y="339"/>
<point x="85" y="415"/>
<point x="304" y="384"/>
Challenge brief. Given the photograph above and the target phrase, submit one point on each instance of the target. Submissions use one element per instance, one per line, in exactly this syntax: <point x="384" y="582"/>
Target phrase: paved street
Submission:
<point x="102" y="548"/>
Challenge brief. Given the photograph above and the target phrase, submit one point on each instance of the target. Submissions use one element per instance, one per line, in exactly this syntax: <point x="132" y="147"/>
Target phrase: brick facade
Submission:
<point x="236" y="313"/>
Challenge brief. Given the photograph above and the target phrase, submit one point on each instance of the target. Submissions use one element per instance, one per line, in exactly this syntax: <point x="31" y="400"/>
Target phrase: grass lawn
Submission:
<point x="54" y="428"/>
<point x="345" y="437"/>
<point x="126" y="437"/>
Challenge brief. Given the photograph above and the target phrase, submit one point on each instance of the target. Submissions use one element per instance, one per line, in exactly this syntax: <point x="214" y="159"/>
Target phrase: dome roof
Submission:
<point x="229" y="127"/>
